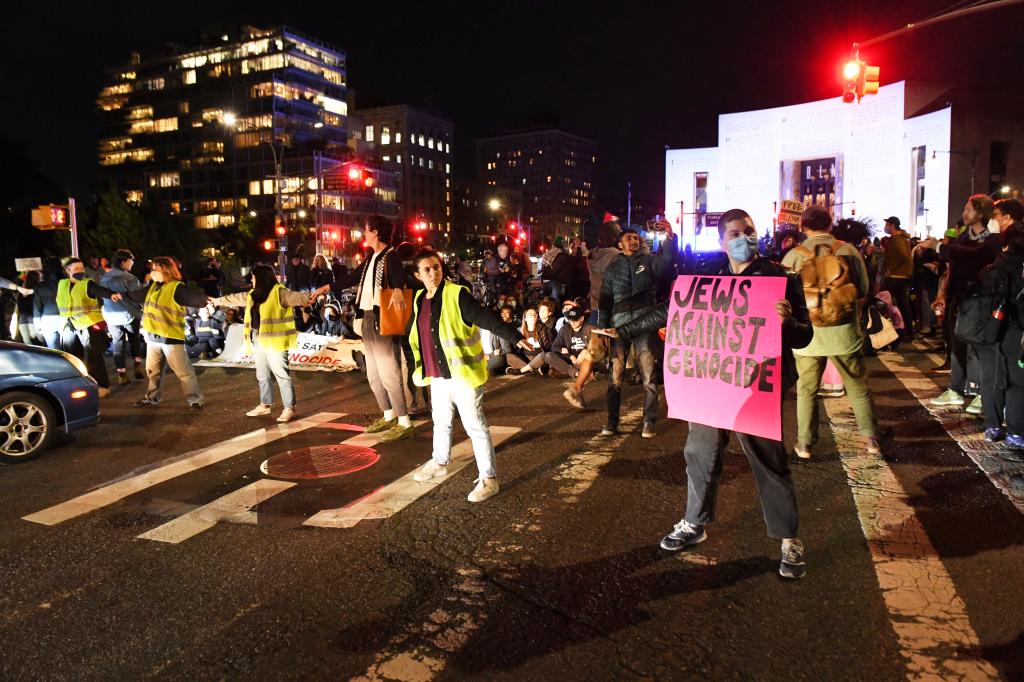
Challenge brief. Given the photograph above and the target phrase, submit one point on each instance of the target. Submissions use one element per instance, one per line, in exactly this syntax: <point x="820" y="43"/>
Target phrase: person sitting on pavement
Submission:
<point x="448" y="357"/>
<point x="569" y="354"/>
<point x="497" y="348"/>
<point x="705" y="445"/>
<point x="838" y="340"/>
<point x="204" y="338"/>
<point x="332" y="324"/>
<point x="539" y="336"/>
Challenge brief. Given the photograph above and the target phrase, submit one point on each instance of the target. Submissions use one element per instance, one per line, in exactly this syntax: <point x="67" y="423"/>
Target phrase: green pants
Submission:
<point x="851" y="368"/>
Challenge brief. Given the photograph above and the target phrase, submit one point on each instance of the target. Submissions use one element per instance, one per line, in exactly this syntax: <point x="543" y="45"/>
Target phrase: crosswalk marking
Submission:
<point x="398" y="495"/>
<point x="929" y="617"/>
<point x="236" y="507"/>
<point x="189" y="462"/>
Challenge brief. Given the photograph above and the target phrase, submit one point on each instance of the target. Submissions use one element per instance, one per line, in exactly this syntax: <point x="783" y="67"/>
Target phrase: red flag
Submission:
<point x="608" y="217"/>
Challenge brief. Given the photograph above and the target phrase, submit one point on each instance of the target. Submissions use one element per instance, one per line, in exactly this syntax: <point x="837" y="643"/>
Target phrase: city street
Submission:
<point x="162" y="543"/>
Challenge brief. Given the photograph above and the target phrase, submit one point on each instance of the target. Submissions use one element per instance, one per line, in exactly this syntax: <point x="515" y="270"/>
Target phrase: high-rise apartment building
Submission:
<point x="554" y="170"/>
<point x="417" y="145"/>
<point x="202" y="131"/>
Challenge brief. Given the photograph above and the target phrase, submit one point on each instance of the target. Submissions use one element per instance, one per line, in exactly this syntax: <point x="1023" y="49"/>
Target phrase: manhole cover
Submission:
<point x="320" y="461"/>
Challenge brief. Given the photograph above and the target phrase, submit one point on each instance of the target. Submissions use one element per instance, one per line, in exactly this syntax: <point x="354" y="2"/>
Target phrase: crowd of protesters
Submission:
<point x="584" y="311"/>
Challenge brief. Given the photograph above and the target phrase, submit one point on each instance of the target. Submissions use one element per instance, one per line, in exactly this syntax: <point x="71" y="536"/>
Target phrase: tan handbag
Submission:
<point x="394" y="322"/>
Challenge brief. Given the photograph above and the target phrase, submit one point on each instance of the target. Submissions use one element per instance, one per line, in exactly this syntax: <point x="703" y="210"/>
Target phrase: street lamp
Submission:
<point x="302" y="213"/>
<point x="1005" y="189"/>
<point x="494" y="204"/>
<point x="230" y="119"/>
<point x="252" y="214"/>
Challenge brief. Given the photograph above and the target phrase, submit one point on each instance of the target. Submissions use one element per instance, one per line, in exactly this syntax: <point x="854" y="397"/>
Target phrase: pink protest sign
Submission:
<point x="723" y="353"/>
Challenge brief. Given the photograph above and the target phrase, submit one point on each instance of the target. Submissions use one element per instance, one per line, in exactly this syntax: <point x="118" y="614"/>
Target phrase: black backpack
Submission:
<point x="981" y="314"/>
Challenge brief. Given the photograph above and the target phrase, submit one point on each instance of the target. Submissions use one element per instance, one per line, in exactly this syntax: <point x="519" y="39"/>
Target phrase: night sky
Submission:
<point x="634" y="76"/>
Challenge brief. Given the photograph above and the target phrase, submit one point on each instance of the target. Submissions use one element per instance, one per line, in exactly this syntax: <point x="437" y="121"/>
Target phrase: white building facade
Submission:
<point x="868" y="160"/>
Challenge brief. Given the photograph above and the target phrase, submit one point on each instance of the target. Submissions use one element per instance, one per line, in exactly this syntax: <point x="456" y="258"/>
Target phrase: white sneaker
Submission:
<point x="430" y="470"/>
<point x="258" y="411"/>
<point x="485" y="488"/>
<point x="104" y="392"/>
<point x="286" y="415"/>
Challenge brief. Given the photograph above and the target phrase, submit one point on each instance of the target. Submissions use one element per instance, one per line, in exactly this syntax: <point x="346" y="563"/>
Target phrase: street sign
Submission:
<point x="335" y="182"/>
<point x="711" y="220"/>
<point x="790" y="212"/>
<point x="26" y="264"/>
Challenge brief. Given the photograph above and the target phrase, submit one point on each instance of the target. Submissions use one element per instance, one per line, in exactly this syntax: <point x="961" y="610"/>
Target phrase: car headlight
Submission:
<point x="76" y="363"/>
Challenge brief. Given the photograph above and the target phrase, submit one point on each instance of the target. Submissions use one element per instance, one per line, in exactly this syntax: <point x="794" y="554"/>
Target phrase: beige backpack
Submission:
<point x="829" y="290"/>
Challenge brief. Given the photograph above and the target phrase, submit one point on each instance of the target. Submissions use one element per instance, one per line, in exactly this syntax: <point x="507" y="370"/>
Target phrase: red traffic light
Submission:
<point x="368" y="182"/>
<point x="334" y="235"/>
<point x="281" y="230"/>
<point x="268" y="244"/>
<point x="419" y="240"/>
<point x="355" y="173"/>
<point x="851" y="70"/>
<point x="512" y="226"/>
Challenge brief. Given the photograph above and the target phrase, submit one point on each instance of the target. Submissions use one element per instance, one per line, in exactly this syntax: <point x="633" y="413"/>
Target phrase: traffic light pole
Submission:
<point x="73" y="221"/>
<point x="974" y="9"/>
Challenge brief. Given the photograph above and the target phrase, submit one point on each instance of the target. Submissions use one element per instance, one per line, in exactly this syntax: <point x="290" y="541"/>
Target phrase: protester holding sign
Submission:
<point x="269" y="333"/>
<point x="835" y="279"/>
<point x="725" y="349"/>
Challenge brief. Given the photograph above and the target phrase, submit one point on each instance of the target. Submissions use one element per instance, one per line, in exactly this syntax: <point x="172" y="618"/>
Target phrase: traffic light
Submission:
<point x="280" y="229"/>
<point x="859" y="79"/>
<point x="868" y="80"/>
<point x="851" y="75"/>
<point x="268" y="244"/>
<point x="512" y="226"/>
<point x="51" y="217"/>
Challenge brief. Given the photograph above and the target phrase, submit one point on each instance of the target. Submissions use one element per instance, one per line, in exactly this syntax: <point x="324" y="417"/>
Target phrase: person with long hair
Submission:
<point x="269" y="333"/>
<point x="45" y="313"/>
<point x="321" y="273"/>
<point x="164" y="301"/>
<point x="26" y="325"/>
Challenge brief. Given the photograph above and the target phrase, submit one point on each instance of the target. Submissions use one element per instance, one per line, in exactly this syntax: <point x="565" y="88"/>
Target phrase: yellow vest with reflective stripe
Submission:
<point x="460" y="342"/>
<point x="161" y="315"/>
<point x="75" y="303"/>
<point x="277" y="323"/>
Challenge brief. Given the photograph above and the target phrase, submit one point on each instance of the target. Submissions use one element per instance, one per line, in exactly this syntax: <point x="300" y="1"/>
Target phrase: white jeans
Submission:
<point x="273" y="362"/>
<point x="447" y="394"/>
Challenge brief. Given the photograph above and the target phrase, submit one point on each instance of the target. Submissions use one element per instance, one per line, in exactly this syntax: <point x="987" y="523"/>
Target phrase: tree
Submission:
<point x="117" y="225"/>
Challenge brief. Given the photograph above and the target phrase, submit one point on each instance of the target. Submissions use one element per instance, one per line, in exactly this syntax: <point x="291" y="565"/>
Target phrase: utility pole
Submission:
<point x="73" y="223"/>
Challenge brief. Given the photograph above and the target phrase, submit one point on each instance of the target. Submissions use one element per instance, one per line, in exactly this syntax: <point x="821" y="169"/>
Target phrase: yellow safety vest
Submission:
<point x="277" y="323"/>
<point x="460" y="342"/>
<point x="161" y="314"/>
<point x="75" y="303"/>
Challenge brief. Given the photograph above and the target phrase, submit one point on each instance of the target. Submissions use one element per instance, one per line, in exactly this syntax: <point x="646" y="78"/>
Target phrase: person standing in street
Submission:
<point x="381" y="270"/>
<point x="449" y="357"/>
<point x="628" y="287"/>
<point x="897" y="269"/>
<point x="84" y="328"/>
<point x="297" y="274"/>
<point x="269" y="334"/>
<point x="966" y="255"/>
<point x="45" y="313"/>
<point x="123" y="317"/>
<point x="163" y="320"/>
<point x="705" y="445"/>
<point x="211" y="277"/>
<point x="840" y="340"/>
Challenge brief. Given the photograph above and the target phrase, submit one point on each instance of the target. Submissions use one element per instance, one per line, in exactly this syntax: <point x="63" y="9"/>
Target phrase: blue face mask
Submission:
<point x="742" y="248"/>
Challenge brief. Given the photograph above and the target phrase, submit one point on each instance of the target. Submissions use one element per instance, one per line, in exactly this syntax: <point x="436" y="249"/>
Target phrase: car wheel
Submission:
<point x="27" y="426"/>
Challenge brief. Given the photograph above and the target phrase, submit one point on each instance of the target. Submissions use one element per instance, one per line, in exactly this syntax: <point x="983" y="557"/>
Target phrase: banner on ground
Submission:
<point x="723" y="353"/>
<point x="309" y="352"/>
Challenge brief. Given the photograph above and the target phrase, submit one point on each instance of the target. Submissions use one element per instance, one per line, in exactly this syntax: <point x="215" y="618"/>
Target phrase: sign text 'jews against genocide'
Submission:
<point x="723" y="348"/>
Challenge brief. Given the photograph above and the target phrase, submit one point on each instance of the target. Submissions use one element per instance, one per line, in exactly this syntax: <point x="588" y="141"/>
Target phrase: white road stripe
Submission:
<point x="398" y="495"/>
<point x="235" y="507"/>
<point x="931" y="623"/>
<point x="992" y="458"/>
<point x="189" y="462"/>
<point x="421" y="650"/>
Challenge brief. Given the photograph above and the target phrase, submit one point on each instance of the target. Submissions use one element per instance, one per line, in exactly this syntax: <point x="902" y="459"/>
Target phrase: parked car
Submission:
<point x="43" y="393"/>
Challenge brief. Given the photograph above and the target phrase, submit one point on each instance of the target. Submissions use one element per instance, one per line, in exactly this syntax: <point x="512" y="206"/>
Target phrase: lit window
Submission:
<point x="190" y="77"/>
<point x="385" y="135"/>
<point x="133" y="197"/>
<point x="430" y="164"/>
<point x="549" y="178"/>
<point x="385" y="158"/>
<point x="268" y="186"/>
<point x="170" y="179"/>
<point x="447" y="148"/>
<point x="398" y="159"/>
<point x="430" y="142"/>
<point x="421" y="141"/>
<point x="447" y="168"/>
<point x="421" y="162"/>
<point x="369" y="134"/>
<point x="254" y="187"/>
<point x="398" y="138"/>
<point x="335" y="106"/>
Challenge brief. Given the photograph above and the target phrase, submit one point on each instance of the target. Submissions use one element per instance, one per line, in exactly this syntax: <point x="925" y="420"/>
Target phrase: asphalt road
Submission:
<point x="180" y="559"/>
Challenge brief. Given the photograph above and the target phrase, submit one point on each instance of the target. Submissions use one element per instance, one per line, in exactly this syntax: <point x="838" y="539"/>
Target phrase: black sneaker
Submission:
<point x="610" y="430"/>
<point x="512" y="372"/>
<point x="195" y="406"/>
<point x="145" y="402"/>
<point x="792" y="565"/>
<point x="683" y="535"/>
